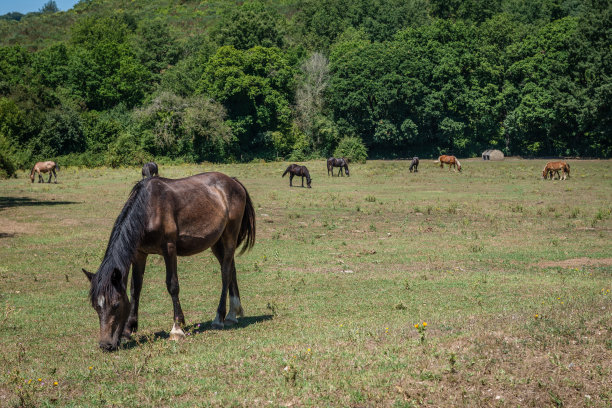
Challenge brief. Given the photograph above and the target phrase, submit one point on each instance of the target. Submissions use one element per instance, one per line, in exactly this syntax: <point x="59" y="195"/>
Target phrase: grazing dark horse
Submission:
<point x="556" y="167"/>
<point x="44" y="167"/>
<point x="297" y="170"/>
<point x="414" y="165"/>
<point x="149" y="170"/>
<point x="333" y="162"/>
<point x="450" y="160"/>
<point x="171" y="217"/>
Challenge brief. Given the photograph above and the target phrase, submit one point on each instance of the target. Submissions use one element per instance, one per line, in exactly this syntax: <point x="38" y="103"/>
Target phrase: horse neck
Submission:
<point x="128" y="229"/>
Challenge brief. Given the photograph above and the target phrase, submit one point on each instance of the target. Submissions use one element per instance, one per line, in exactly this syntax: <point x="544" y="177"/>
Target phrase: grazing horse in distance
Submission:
<point x="450" y="160"/>
<point x="149" y="170"/>
<point x="341" y="162"/>
<point x="414" y="165"/>
<point x="44" y="167"/>
<point x="171" y="218"/>
<point x="297" y="170"/>
<point x="556" y="167"/>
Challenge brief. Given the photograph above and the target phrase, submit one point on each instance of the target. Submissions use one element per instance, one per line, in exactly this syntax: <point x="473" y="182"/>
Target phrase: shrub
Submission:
<point x="353" y="149"/>
<point x="7" y="165"/>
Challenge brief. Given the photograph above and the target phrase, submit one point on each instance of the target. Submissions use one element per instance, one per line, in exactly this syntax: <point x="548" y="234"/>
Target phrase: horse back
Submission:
<point x="193" y="212"/>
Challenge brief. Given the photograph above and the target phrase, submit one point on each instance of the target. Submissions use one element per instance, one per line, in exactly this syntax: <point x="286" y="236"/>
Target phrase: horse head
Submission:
<point x="111" y="302"/>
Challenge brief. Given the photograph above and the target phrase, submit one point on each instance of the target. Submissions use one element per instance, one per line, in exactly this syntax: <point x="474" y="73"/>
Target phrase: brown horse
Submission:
<point x="297" y="170"/>
<point x="149" y="170"/>
<point x="171" y="217"/>
<point x="44" y="167"/>
<point x="556" y="167"/>
<point x="342" y="163"/>
<point x="450" y="160"/>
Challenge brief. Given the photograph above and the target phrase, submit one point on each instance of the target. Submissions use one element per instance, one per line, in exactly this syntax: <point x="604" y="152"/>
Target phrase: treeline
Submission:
<point x="267" y="80"/>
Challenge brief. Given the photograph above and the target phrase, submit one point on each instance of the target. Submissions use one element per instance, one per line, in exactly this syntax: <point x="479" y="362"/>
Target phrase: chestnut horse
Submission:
<point x="297" y="170"/>
<point x="333" y="162"/>
<point x="149" y="170"/>
<point x="556" y="167"/>
<point x="44" y="167"/>
<point x="450" y="160"/>
<point x="171" y="217"/>
<point x="414" y="165"/>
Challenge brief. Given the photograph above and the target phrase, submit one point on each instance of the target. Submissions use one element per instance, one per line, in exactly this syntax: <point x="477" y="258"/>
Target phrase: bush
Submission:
<point x="353" y="149"/>
<point x="7" y="165"/>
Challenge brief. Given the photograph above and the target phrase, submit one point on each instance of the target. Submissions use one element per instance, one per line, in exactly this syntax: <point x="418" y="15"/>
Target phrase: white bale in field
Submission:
<point x="492" y="154"/>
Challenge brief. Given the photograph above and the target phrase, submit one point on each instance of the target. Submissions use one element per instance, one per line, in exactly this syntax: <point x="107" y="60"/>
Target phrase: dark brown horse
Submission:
<point x="44" y="167"/>
<point x="297" y="170"/>
<point x="556" y="167"/>
<point x="450" y="160"/>
<point x="171" y="218"/>
<point x="414" y="165"/>
<point x="341" y="162"/>
<point x="149" y="170"/>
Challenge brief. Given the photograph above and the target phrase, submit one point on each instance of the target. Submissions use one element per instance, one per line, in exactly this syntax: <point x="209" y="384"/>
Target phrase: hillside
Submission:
<point x="118" y="82"/>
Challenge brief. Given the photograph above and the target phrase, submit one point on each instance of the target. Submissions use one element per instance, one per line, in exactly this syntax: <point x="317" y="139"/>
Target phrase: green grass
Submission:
<point x="339" y="276"/>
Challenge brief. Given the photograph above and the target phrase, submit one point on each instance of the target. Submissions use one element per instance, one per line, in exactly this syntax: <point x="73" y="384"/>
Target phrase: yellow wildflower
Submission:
<point x="424" y="324"/>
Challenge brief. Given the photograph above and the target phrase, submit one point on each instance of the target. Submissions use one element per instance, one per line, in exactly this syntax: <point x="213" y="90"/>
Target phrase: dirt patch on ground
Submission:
<point x="575" y="262"/>
<point x="9" y="227"/>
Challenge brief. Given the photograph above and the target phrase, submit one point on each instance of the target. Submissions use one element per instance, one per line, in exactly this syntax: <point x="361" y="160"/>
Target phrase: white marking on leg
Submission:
<point x="177" y="333"/>
<point x="235" y="310"/>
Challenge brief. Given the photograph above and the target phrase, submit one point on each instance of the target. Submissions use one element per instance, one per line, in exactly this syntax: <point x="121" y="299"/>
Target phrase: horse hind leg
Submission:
<point x="172" y="285"/>
<point x="236" y="309"/>
<point x="225" y="256"/>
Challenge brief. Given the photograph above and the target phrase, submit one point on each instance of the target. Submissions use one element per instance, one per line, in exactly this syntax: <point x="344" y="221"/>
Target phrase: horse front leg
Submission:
<point x="291" y="180"/>
<point x="138" y="268"/>
<point x="302" y="181"/>
<point x="40" y="178"/>
<point x="172" y="285"/>
<point x="54" y="176"/>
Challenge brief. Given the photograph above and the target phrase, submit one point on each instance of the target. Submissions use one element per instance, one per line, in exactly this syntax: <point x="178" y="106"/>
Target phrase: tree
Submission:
<point x="309" y="98"/>
<point x="49" y="7"/>
<point x="255" y="87"/>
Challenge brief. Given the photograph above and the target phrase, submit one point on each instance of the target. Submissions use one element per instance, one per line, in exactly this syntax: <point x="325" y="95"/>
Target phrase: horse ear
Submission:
<point x="88" y="274"/>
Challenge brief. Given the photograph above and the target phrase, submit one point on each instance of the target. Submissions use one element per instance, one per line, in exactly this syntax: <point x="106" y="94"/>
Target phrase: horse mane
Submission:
<point x="124" y="239"/>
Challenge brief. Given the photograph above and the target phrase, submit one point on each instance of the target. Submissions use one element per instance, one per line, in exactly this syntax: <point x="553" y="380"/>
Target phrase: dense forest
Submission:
<point x="118" y="82"/>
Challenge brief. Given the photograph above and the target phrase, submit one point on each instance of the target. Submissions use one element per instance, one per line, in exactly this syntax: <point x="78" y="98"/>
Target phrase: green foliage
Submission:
<point x="248" y="25"/>
<point x="255" y="87"/>
<point x="226" y="81"/>
<point x="353" y="149"/>
<point x="7" y="164"/>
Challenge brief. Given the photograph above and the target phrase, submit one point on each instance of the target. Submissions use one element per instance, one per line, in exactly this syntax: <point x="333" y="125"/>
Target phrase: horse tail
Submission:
<point x="57" y="167"/>
<point x="247" y="228"/>
<point x="286" y="171"/>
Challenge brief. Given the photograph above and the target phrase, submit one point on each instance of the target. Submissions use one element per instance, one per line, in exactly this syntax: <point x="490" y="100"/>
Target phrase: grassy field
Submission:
<point x="511" y="274"/>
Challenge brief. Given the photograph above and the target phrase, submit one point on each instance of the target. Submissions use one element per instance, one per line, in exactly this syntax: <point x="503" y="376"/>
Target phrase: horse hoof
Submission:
<point x="217" y="325"/>
<point x="177" y="333"/>
<point x="230" y="321"/>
